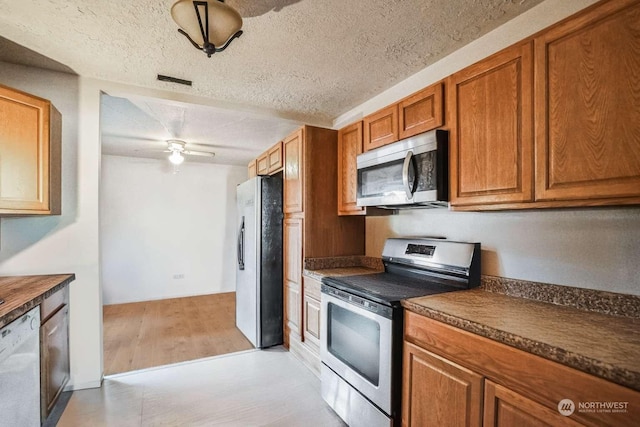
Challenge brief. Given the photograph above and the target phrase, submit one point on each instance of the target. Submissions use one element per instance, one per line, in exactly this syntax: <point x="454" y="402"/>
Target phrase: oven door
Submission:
<point x="357" y="344"/>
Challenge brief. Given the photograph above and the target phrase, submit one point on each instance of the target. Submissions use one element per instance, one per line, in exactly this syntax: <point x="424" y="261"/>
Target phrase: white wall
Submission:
<point x="67" y="243"/>
<point x="587" y="248"/>
<point x="155" y="224"/>
<point x="593" y="248"/>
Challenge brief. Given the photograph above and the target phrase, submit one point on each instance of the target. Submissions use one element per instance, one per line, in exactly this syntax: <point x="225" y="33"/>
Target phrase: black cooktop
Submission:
<point x="387" y="288"/>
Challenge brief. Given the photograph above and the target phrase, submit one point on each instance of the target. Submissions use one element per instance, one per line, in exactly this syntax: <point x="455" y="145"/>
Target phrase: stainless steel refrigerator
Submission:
<point x="259" y="266"/>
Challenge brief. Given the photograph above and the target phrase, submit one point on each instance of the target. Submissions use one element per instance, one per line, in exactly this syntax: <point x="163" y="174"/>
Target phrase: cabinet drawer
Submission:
<point x="52" y="303"/>
<point x="312" y="287"/>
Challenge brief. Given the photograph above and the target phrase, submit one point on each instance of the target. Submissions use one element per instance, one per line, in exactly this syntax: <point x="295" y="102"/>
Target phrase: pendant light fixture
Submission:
<point x="209" y="25"/>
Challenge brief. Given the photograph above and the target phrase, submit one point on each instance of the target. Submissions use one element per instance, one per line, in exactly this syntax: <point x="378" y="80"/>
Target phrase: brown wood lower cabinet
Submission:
<point x="54" y="349"/>
<point x="452" y="377"/>
<point x="505" y="407"/>
<point x="311" y="312"/>
<point x="306" y="345"/>
<point x="292" y="240"/>
<point x="438" y="392"/>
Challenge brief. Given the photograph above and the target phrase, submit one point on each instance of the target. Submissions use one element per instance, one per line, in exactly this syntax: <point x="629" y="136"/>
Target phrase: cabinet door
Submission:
<point x="29" y="154"/>
<point x="437" y="392"/>
<point x="54" y="358"/>
<point x="381" y="128"/>
<point x="349" y="146"/>
<point x="275" y="157"/>
<point x="491" y="109"/>
<point x="311" y="317"/>
<point x="293" y="256"/>
<point x="588" y="105"/>
<point x="252" y="169"/>
<point x="311" y="312"/>
<point x="262" y="164"/>
<point x="421" y="112"/>
<point x="293" y="172"/>
<point x="505" y="408"/>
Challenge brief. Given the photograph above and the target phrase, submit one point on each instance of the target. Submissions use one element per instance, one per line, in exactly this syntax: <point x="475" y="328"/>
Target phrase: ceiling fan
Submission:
<point x="177" y="149"/>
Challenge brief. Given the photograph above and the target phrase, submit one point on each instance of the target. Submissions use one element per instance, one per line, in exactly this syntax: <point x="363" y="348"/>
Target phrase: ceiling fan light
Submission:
<point x="176" y="158"/>
<point x="225" y="23"/>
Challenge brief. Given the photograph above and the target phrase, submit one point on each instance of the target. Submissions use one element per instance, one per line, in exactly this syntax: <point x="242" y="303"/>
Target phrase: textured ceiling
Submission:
<point x="304" y="60"/>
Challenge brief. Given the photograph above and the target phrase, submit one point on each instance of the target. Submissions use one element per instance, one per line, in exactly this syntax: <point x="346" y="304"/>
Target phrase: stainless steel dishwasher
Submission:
<point x="20" y="371"/>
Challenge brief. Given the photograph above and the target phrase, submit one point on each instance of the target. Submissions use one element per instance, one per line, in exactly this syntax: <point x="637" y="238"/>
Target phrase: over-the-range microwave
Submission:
<point x="412" y="172"/>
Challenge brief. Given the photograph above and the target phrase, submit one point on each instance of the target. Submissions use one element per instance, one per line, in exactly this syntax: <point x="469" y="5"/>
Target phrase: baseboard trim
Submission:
<point x="308" y="357"/>
<point x="83" y="386"/>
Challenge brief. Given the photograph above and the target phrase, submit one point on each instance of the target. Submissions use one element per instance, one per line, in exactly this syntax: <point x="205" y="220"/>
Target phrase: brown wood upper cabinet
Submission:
<point x="588" y="105"/>
<point x="30" y="143"/>
<point x="293" y="172"/>
<point x="349" y="146"/>
<point x="585" y="120"/>
<point x="268" y="163"/>
<point x="252" y="168"/>
<point x="421" y="111"/>
<point x="381" y="127"/>
<point x="262" y="164"/>
<point x="275" y="158"/>
<point x="417" y="113"/>
<point x="491" y="139"/>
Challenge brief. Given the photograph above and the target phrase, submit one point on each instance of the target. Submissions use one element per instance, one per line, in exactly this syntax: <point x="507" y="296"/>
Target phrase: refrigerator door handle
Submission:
<point x="241" y="246"/>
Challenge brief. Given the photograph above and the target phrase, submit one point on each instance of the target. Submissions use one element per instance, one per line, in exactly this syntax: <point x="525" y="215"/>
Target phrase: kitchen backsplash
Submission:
<point x="584" y="299"/>
<point x="585" y="248"/>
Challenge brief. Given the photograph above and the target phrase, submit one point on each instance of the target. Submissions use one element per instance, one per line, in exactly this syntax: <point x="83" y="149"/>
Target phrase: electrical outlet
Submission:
<point x="178" y="276"/>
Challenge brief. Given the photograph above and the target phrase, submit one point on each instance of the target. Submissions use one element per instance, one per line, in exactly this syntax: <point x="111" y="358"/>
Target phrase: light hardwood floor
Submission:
<point x="155" y="333"/>
<point x="252" y="388"/>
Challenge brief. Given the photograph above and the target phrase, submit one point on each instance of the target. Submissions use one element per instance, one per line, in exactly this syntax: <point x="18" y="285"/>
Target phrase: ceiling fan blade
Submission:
<point x="198" y="153"/>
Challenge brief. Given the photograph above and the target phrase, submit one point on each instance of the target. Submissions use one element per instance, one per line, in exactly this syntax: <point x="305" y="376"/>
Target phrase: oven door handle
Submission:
<point x="409" y="187"/>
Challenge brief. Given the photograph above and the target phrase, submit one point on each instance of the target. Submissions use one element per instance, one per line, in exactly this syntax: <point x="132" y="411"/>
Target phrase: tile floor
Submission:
<point x="251" y="388"/>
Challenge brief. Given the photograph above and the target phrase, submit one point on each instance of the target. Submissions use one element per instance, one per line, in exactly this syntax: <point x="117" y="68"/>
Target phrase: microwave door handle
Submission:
<point x="408" y="187"/>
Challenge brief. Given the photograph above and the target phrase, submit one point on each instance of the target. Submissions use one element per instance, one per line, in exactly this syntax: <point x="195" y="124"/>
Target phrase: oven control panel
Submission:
<point x="424" y="250"/>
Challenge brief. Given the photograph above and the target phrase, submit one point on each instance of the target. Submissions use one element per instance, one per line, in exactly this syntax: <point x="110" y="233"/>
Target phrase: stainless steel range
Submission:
<point x="361" y="325"/>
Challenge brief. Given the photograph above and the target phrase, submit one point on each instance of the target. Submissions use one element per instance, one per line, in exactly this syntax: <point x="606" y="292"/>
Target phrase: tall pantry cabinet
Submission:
<point x="312" y="227"/>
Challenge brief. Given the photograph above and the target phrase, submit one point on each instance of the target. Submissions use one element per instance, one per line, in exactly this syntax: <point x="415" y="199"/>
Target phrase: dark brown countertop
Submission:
<point x="600" y="344"/>
<point x="593" y="331"/>
<point x="22" y="293"/>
